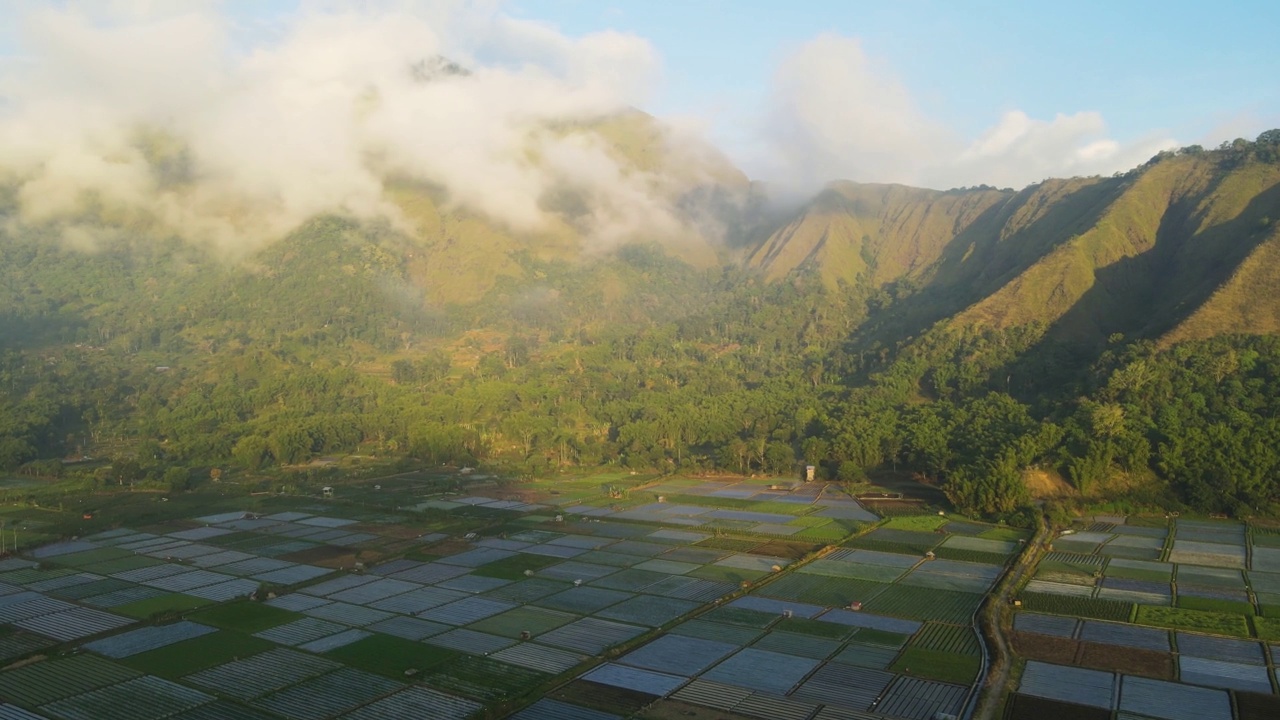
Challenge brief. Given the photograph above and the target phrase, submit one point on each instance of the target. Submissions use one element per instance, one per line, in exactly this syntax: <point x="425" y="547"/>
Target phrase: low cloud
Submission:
<point x="833" y="112"/>
<point x="159" y="118"/>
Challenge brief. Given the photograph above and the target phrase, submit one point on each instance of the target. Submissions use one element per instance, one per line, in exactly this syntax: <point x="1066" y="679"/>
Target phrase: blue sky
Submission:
<point x="798" y="93"/>
<point x="1195" y="71"/>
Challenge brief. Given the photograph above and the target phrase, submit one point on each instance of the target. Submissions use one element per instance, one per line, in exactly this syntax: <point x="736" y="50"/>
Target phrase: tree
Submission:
<point x="177" y="479"/>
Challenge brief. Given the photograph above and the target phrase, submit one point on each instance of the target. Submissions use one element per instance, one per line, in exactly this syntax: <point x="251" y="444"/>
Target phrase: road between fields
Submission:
<point x="992" y="625"/>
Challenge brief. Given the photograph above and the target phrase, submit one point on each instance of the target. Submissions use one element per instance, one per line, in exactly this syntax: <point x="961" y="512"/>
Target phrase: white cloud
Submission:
<point x="314" y="121"/>
<point x="833" y="113"/>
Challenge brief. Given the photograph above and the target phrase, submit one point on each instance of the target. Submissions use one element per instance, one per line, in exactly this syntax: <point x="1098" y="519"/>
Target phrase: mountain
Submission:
<point x="1182" y="248"/>
<point x="1118" y="333"/>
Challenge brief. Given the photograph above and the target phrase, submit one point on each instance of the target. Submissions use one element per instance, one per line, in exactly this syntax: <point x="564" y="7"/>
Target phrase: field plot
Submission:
<point x="1028" y="707"/>
<point x="148" y="638"/>
<point x="144" y="698"/>
<point x="590" y="636"/>
<point x="648" y="682"/>
<point x="1171" y="701"/>
<point x="539" y="658"/>
<point x="1068" y="684"/>
<point x="1124" y="635"/>
<point x="328" y="695"/>
<point x="78" y="622"/>
<point x="1077" y="606"/>
<point x="420" y="703"/>
<point x="921" y="699"/>
<point x="1223" y="674"/>
<point x="261" y="674"/>
<point x="945" y="605"/>
<point x="679" y="655"/>
<point x="1208" y="554"/>
<point x="52" y="680"/>
<point x="994" y="547"/>
<point x="761" y="670"/>
<point x="1053" y="625"/>
<point x="1219" y="648"/>
<point x="947" y="638"/>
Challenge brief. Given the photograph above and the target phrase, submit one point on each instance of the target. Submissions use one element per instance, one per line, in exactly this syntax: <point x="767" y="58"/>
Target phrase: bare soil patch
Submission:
<point x="1131" y="661"/>
<point x="1045" y="647"/>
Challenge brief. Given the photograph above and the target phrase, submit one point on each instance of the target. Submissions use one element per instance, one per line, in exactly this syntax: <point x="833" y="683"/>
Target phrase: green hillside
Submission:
<point x="1119" y="333"/>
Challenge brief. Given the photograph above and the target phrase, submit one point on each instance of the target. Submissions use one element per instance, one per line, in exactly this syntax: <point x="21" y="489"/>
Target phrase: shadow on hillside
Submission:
<point x="1147" y="295"/>
<point x="978" y="261"/>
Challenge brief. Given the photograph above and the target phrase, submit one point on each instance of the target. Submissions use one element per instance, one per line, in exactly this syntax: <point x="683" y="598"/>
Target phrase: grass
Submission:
<point x="921" y="523"/>
<point x="1229" y="607"/>
<point x="245" y="616"/>
<point x="1268" y="628"/>
<point x="1184" y="619"/>
<point x="189" y="656"/>
<point x="937" y="665"/>
<point x="172" y="603"/>
<point x="391" y="656"/>
<point x="514" y="567"/>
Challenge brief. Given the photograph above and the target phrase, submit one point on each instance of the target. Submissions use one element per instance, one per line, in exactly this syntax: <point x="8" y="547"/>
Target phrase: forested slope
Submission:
<point x="1118" y="331"/>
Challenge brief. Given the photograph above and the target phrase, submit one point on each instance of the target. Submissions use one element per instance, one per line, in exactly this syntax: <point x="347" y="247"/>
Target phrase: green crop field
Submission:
<point x="816" y="628"/>
<point x="1268" y="628"/>
<point x="977" y="556"/>
<point x="189" y="656"/>
<point x="391" y="656"/>
<point x="1229" y="607"/>
<point x="1078" y="606"/>
<point x="912" y="602"/>
<point x="822" y="590"/>
<point x="483" y="678"/>
<point x="936" y="665"/>
<point x="512" y="622"/>
<point x="884" y="638"/>
<point x="922" y="523"/>
<point x="900" y="548"/>
<point x="1183" y="619"/>
<point x="724" y="543"/>
<point x="1139" y="573"/>
<point x="958" y="639"/>
<point x="724" y="573"/>
<point x="171" y="603"/>
<point x="245" y="616"/>
<point x="513" y="568"/>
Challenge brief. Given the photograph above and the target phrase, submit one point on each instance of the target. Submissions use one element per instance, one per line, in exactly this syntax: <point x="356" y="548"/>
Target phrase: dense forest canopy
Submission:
<point x="165" y="359"/>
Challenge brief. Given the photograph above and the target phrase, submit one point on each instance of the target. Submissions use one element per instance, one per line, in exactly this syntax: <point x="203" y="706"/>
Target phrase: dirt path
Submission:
<point x="993" y="625"/>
